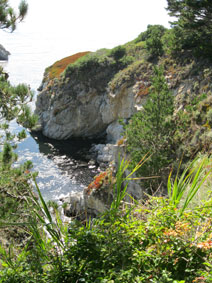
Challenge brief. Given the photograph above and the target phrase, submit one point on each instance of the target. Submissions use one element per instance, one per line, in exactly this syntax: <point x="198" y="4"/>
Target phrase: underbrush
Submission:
<point x="15" y="205"/>
<point x="156" y="240"/>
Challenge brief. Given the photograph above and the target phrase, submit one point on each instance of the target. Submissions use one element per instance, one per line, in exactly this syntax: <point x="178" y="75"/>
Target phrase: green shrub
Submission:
<point x="97" y="69"/>
<point x="27" y="118"/>
<point x="153" y="37"/>
<point x="150" y="241"/>
<point x="209" y="117"/>
<point x="118" y="52"/>
<point x="189" y="19"/>
<point x="171" y="43"/>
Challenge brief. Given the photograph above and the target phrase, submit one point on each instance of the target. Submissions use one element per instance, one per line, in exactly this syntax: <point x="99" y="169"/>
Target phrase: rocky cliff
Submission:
<point x="87" y="97"/>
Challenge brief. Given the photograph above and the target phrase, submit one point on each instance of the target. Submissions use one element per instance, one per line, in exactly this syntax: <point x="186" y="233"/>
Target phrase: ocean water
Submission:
<point x="61" y="165"/>
<point x="50" y="32"/>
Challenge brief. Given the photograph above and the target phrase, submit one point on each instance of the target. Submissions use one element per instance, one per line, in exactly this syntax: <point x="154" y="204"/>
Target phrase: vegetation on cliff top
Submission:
<point x="58" y="67"/>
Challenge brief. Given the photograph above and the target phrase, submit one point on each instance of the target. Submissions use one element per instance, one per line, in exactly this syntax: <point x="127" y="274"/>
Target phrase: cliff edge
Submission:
<point x="93" y="92"/>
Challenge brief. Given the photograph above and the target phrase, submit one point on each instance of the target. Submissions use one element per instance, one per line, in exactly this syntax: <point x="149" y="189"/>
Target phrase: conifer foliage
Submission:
<point x="150" y="130"/>
<point x="193" y="26"/>
<point x="8" y="17"/>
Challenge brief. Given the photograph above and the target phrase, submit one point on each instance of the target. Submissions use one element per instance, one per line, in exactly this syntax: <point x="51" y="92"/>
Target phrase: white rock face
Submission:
<point x="120" y="104"/>
<point x="75" y="204"/>
<point x="106" y="152"/>
<point x="114" y="132"/>
<point x="64" y="115"/>
<point x="76" y="110"/>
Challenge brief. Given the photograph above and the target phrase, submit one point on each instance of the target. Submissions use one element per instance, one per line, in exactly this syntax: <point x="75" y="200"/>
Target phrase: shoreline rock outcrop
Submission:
<point x="93" y="200"/>
<point x="4" y="54"/>
<point x="84" y="102"/>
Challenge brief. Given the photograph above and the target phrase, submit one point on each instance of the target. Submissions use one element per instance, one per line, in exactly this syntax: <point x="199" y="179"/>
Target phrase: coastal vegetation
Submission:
<point x="14" y="180"/>
<point x="166" y="236"/>
<point x="58" y="67"/>
<point x="158" y="239"/>
<point x="151" y="130"/>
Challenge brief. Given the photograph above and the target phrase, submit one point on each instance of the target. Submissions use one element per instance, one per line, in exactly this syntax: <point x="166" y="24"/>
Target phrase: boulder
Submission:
<point x="114" y="132"/>
<point x="89" y="203"/>
<point x="3" y="53"/>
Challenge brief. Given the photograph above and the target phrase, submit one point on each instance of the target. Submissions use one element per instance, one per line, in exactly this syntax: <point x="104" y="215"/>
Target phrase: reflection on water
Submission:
<point x="73" y="156"/>
<point x="63" y="166"/>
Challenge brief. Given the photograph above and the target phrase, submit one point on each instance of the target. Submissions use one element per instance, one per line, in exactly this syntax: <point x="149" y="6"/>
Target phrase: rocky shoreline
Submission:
<point x="91" y="97"/>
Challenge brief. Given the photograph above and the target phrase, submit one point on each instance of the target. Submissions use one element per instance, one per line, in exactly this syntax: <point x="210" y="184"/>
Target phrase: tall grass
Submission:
<point x="53" y="226"/>
<point x="183" y="189"/>
<point x="121" y="184"/>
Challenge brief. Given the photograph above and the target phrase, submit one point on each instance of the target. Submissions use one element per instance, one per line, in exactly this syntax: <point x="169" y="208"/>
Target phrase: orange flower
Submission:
<point x="200" y="279"/>
<point x="205" y="245"/>
<point x="170" y="232"/>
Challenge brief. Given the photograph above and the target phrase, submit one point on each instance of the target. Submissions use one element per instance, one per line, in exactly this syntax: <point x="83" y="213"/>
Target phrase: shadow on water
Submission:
<point x="72" y="156"/>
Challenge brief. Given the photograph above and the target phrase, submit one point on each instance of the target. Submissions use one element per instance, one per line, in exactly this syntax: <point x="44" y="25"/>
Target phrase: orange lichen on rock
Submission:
<point x="143" y="89"/>
<point x="58" y="67"/>
<point x="97" y="183"/>
<point x="101" y="180"/>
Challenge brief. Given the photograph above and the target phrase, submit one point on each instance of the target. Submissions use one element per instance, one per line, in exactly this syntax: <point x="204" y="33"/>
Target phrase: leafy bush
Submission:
<point x="118" y="52"/>
<point x="148" y="242"/>
<point x="153" y="37"/>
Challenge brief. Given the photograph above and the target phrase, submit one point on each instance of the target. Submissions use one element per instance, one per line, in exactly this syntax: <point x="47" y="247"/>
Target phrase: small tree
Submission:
<point x="193" y="26"/>
<point x="13" y="100"/>
<point x="150" y="130"/>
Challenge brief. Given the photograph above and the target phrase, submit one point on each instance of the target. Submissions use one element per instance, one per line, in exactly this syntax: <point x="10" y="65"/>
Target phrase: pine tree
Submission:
<point x="8" y="17"/>
<point x="13" y="99"/>
<point x="193" y="26"/>
<point x="150" y="130"/>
